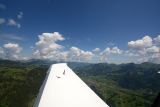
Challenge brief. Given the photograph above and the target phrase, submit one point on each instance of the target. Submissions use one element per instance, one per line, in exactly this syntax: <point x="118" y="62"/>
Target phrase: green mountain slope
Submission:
<point x="125" y="85"/>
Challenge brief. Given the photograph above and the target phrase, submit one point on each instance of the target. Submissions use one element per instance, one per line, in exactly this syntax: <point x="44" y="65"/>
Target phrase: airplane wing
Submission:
<point x="63" y="88"/>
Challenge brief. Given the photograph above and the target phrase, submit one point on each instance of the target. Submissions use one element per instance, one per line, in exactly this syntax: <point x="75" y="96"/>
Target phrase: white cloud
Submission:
<point x="47" y="47"/>
<point x="146" y="49"/>
<point x="64" y="56"/>
<point x="1" y="52"/>
<point x="12" y="22"/>
<point x="86" y="55"/>
<point x="2" y="6"/>
<point x="139" y="47"/>
<point x="114" y="50"/>
<point x="73" y="54"/>
<point x="153" y="49"/>
<point x="14" y="47"/>
<point x="80" y="55"/>
<point x="96" y="50"/>
<point x="20" y="15"/>
<point x="131" y="53"/>
<point x="76" y="52"/>
<point x="154" y="58"/>
<point x="141" y="43"/>
<point x="153" y="54"/>
<point x="2" y="20"/>
<point x="157" y="40"/>
<point x="104" y="54"/>
<point x="12" y="50"/>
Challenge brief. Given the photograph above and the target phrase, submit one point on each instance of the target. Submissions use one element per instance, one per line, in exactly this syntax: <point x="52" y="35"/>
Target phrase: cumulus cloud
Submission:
<point x="12" y="22"/>
<point x="80" y="55"/>
<point x="131" y="53"/>
<point x="75" y="52"/>
<point x="96" y="50"/>
<point x="47" y="47"/>
<point x="1" y="52"/>
<point x="153" y="49"/>
<point x="114" y="50"/>
<point x="141" y="43"/>
<point x="140" y="47"/>
<point x="86" y="55"/>
<point x="155" y="58"/>
<point x="20" y="15"/>
<point x="63" y="56"/>
<point x="146" y="49"/>
<point x="157" y="40"/>
<point x="104" y="54"/>
<point x="12" y="50"/>
<point x="13" y="47"/>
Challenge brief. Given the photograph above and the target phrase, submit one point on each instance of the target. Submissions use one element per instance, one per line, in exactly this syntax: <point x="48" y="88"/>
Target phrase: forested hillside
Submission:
<point x="19" y="83"/>
<point x="125" y="85"/>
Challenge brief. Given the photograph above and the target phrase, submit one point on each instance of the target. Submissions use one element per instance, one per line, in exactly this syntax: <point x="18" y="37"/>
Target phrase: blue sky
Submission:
<point x="85" y="24"/>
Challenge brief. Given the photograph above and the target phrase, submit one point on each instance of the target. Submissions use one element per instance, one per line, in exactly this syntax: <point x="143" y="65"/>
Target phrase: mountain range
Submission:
<point x="123" y="85"/>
